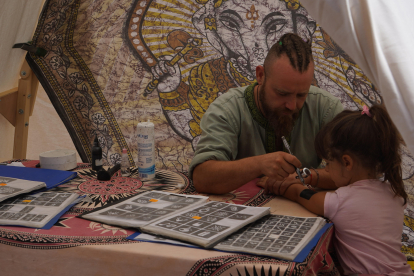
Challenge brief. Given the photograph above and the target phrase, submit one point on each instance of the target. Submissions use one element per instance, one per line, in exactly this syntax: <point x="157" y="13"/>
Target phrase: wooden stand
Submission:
<point x="16" y="105"/>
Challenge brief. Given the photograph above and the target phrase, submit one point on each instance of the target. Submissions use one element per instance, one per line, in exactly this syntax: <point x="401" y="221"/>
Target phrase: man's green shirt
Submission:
<point x="233" y="128"/>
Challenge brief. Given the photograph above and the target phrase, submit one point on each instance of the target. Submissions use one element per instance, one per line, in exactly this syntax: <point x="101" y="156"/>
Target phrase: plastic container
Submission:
<point x="146" y="150"/>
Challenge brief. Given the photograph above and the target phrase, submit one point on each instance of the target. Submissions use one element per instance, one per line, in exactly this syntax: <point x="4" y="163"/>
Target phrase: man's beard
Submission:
<point x="281" y="123"/>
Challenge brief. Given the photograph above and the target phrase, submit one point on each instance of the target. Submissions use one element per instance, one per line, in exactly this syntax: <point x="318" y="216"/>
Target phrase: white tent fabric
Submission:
<point x="379" y="36"/>
<point x="18" y="21"/>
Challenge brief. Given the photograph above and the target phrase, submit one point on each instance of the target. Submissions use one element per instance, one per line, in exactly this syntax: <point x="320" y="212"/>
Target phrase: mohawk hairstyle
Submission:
<point x="295" y="48"/>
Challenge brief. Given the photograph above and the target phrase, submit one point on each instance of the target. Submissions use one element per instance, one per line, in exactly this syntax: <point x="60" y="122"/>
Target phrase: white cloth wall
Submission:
<point x="18" y="20"/>
<point x="379" y="36"/>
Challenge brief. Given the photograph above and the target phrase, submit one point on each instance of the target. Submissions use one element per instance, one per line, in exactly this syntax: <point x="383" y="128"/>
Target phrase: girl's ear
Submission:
<point x="348" y="162"/>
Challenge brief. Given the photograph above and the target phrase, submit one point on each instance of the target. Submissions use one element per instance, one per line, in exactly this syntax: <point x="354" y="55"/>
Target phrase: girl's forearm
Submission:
<point x="321" y="179"/>
<point x="293" y="192"/>
<point x="312" y="201"/>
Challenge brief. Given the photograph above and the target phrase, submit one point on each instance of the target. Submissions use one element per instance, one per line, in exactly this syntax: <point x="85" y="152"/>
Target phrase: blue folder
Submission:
<point x="52" y="178"/>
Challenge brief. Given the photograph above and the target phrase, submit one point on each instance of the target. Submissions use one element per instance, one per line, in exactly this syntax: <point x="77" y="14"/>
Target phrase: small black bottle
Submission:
<point x="96" y="155"/>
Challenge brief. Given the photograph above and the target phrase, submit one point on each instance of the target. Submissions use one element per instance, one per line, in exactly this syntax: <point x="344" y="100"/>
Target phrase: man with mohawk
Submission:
<point x="242" y="129"/>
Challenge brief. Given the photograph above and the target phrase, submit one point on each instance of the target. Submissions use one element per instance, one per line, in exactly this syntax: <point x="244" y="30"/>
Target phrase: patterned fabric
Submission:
<point x="104" y="71"/>
<point x="71" y="231"/>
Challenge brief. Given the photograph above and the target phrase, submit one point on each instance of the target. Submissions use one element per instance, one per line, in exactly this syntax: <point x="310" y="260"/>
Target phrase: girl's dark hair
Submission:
<point x="374" y="141"/>
<point x="297" y="50"/>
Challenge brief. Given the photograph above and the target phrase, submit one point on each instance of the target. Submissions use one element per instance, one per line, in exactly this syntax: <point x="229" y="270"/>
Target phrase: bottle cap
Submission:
<point x="96" y="141"/>
<point x="124" y="151"/>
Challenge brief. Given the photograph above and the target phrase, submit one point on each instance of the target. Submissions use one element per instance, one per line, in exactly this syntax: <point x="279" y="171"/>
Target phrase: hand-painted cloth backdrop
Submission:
<point x="113" y="64"/>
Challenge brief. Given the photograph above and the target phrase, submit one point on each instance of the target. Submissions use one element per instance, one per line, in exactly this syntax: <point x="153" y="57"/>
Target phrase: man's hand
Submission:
<point x="219" y="177"/>
<point x="278" y="165"/>
<point x="271" y="185"/>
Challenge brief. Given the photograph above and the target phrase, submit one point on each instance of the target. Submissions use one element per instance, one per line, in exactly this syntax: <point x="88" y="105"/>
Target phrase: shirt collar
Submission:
<point x="270" y="137"/>
<point x="252" y="105"/>
<point x="270" y="143"/>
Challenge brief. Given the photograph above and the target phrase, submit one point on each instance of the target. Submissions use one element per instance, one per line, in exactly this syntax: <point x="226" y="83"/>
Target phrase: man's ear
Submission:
<point x="347" y="162"/>
<point x="260" y="74"/>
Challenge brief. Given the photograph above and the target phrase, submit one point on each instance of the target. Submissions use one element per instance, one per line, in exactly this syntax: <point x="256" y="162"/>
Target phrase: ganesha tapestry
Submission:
<point x="113" y="64"/>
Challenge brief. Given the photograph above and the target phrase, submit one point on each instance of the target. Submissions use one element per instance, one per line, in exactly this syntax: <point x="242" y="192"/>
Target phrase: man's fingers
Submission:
<point x="285" y="170"/>
<point x="262" y="182"/>
<point x="292" y="160"/>
<point x="269" y="187"/>
<point x="277" y="185"/>
<point x="281" y="174"/>
<point x="288" y="168"/>
<point x="281" y="165"/>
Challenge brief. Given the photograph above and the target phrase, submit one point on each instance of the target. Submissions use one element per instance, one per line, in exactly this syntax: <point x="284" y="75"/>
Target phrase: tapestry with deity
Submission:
<point x="113" y="64"/>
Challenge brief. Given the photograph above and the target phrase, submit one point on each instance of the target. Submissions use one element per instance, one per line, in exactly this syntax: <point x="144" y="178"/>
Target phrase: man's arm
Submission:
<point x="219" y="177"/>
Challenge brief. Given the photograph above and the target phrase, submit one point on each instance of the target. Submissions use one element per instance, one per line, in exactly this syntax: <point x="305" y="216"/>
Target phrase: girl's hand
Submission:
<point x="271" y="185"/>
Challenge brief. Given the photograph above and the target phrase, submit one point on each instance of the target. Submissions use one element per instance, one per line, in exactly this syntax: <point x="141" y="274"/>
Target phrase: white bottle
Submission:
<point x="146" y="150"/>
<point x="125" y="163"/>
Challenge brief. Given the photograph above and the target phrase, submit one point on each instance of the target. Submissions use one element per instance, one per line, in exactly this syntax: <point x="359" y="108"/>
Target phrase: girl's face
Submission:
<point x="337" y="172"/>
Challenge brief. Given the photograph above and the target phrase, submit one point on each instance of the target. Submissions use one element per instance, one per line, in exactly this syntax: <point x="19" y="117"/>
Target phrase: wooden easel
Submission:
<point x="16" y="105"/>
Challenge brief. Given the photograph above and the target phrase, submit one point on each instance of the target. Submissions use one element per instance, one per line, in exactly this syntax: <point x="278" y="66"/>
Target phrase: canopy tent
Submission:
<point x="18" y="21"/>
<point x="379" y="37"/>
<point x="98" y="78"/>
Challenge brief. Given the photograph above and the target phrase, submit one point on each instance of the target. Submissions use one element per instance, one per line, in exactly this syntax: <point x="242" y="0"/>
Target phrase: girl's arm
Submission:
<point x="292" y="189"/>
<point x="311" y="200"/>
<point x="322" y="181"/>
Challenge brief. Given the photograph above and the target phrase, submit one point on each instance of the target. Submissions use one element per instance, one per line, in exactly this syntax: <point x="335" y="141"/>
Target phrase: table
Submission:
<point x="76" y="246"/>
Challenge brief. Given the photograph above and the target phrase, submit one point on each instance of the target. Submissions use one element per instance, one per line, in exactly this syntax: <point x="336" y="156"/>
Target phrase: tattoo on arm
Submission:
<point x="307" y="193"/>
